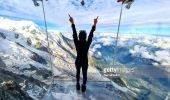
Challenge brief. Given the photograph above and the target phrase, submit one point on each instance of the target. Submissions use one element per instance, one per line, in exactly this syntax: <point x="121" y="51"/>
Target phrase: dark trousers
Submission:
<point x="84" y="71"/>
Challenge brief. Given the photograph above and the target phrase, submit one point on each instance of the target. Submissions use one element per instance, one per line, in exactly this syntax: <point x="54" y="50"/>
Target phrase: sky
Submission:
<point x="144" y="16"/>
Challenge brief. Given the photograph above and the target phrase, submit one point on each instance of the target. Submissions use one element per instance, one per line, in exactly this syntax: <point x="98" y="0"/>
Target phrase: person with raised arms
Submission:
<point x="82" y="46"/>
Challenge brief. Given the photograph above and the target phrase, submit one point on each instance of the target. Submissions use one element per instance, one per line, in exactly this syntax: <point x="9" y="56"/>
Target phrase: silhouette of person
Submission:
<point x="82" y="46"/>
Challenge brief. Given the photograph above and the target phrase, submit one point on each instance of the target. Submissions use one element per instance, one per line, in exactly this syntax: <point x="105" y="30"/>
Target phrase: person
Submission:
<point x="82" y="46"/>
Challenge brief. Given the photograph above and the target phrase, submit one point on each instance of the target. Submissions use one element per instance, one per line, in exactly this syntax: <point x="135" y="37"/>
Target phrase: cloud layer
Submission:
<point x="152" y="47"/>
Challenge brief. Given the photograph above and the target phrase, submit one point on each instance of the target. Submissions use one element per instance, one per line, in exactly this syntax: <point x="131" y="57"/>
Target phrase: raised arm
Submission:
<point x="90" y="37"/>
<point x="74" y="30"/>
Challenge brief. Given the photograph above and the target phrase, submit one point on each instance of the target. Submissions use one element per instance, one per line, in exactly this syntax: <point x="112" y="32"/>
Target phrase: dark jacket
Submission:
<point x="82" y="47"/>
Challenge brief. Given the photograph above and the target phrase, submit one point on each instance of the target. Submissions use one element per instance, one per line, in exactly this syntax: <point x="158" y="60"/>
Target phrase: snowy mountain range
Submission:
<point x="24" y="51"/>
<point x="25" y="58"/>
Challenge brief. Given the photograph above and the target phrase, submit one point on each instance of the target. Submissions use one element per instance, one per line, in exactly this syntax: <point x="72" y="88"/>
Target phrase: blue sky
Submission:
<point x="145" y="16"/>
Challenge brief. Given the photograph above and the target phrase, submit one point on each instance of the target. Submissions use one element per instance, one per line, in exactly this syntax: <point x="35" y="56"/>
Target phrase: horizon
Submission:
<point x="101" y="32"/>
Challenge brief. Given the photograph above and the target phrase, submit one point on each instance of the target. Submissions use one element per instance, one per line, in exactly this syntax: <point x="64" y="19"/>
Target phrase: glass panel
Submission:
<point x="38" y="56"/>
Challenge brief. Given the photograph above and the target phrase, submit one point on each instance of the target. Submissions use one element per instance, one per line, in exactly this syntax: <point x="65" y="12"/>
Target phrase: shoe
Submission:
<point x="78" y="86"/>
<point x="83" y="88"/>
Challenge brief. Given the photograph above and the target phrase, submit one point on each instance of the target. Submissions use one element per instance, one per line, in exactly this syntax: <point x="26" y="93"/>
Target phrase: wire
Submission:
<point x="48" y="43"/>
<point x="117" y="37"/>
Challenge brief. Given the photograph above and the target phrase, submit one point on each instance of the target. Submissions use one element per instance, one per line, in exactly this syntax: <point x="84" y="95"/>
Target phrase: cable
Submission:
<point x="48" y="43"/>
<point x="117" y="37"/>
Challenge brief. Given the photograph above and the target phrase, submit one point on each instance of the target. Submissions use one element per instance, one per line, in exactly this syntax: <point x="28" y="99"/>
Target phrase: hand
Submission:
<point x="71" y="19"/>
<point x="96" y="20"/>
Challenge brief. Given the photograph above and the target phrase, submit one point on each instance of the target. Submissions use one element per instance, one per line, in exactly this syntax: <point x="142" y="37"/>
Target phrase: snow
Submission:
<point x="8" y="24"/>
<point x="17" y="57"/>
<point x="63" y="63"/>
<point x="124" y="89"/>
<point x="167" y="97"/>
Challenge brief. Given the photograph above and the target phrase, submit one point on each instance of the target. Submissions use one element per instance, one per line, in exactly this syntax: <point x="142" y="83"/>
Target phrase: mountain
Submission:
<point x="25" y="63"/>
<point x="25" y="59"/>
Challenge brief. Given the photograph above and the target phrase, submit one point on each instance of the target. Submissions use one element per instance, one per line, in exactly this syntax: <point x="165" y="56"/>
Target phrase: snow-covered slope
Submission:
<point x="24" y="51"/>
<point x="24" y="40"/>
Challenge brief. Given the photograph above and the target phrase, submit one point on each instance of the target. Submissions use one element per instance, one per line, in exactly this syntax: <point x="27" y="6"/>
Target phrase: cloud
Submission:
<point x="144" y="50"/>
<point x="106" y="41"/>
<point x="95" y="47"/>
<point x="142" y="12"/>
<point x="145" y="46"/>
<point x="163" y="56"/>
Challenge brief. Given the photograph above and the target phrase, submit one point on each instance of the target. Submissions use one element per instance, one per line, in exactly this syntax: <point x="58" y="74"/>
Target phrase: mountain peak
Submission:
<point x="10" y="23"/>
